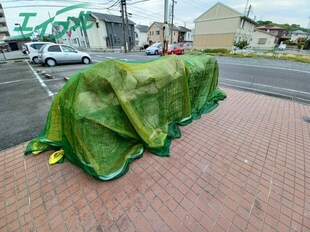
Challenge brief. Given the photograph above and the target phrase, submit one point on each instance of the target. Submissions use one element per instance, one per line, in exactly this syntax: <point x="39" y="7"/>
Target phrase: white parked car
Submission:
<point x="154" y="49"/>
<point x="282" y="46"/>
<point x="53" y="54"/>
<point x="32" y="49"/>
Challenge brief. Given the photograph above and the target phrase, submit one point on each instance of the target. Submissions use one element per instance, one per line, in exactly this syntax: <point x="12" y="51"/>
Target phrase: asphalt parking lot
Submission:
<point x="25" y="98"/>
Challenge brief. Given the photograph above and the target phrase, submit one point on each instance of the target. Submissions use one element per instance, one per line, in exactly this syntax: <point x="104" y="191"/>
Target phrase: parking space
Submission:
<point x="24" y="104"/>
<point x="54" y="77"/>
<point x="26" y="94"/>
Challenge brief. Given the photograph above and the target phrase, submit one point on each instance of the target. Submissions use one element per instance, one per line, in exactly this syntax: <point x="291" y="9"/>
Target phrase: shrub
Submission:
<point x="216" y="50"/>
<point x="241" y="44"/>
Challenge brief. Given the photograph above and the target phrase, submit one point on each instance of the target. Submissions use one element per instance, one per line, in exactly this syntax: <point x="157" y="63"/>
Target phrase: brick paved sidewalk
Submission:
<point x="243" y="167"/>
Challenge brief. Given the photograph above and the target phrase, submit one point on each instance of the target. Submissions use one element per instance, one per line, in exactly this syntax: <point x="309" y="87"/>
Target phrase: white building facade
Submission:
<point x="141" y="35"/>
<point x="263" y="40"/>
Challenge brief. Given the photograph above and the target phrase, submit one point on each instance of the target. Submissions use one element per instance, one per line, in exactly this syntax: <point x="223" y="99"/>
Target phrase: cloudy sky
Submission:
<point x="147" y="11"/>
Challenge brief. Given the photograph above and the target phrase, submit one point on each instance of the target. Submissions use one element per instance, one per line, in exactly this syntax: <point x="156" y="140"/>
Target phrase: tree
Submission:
<point x="241" y="44"/>
<point x="264" y="23"/>
<point x="286" y="26"/>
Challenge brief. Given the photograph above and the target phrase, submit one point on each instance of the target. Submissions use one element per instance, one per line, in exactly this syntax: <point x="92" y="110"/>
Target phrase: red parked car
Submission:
<point x="175" y="49"/>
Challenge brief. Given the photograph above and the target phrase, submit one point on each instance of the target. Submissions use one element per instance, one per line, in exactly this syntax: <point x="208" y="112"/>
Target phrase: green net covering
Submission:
<point x="107" y="114"/>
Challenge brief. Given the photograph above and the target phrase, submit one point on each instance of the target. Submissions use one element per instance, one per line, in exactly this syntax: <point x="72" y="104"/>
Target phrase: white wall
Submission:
<point x="188" y="36"/>
<point x="142" y="38"/>
<point x="244" y="31"/>
<point x="261" y="40"/>
<point x="97" y="36"/>
<point x="76" y="39"/>
<point x="295" y="37"/>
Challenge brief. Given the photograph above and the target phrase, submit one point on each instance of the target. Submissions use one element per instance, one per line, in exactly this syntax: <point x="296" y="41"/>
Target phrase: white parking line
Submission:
<point x="15" y="81"/>
<point x="46" y="88"/>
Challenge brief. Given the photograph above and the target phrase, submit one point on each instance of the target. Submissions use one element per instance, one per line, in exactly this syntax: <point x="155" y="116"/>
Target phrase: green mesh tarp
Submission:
<point x="107" y="114"/>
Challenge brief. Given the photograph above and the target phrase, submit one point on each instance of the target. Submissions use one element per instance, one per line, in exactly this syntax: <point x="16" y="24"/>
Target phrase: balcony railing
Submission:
<point x="4" y="29"/>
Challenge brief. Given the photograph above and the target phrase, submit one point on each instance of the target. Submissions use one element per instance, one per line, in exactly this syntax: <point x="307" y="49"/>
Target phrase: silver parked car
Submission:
<point x="53" y="54"/>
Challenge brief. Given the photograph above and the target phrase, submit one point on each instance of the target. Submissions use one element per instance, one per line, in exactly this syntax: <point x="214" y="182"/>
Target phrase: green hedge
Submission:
<point x="216" y="50"/>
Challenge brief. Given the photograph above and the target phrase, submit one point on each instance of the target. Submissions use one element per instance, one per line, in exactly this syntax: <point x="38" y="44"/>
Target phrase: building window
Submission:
<point x="157" y="32"/>
<point x="262" y="40"/>
<point x="242" y="23"/>
<point x="97" y="24"/>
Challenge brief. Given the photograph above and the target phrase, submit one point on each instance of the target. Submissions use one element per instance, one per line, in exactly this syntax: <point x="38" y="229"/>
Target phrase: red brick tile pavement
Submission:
<point x="243" y="167"/>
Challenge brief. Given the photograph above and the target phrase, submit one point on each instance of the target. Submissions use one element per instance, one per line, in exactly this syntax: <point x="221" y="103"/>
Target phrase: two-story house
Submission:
<point x="221" y="26"/>
<point x="106" y="32"/>
<point x="156" y="34"/>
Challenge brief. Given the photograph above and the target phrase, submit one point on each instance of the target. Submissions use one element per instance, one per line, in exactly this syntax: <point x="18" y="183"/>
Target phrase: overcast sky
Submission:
<point x="147" y="11"/>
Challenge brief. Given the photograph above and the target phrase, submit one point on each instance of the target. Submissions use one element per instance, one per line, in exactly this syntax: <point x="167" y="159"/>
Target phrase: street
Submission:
<point x="26" y="93"/>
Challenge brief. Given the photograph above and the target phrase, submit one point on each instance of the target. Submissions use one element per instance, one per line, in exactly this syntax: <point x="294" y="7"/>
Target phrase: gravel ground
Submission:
<point x="266" y="62"/>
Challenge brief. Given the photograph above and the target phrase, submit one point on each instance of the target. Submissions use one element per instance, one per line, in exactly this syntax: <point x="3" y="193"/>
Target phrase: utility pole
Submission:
<point x="166" y="11"/>
<point x="123" y="6"/>
<point x="127" y="30"/>
<point x="246" y="7"/>
<point x="165" y="29"/>
<point x="172" y="15"/>
<point x="248" y="13"/>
